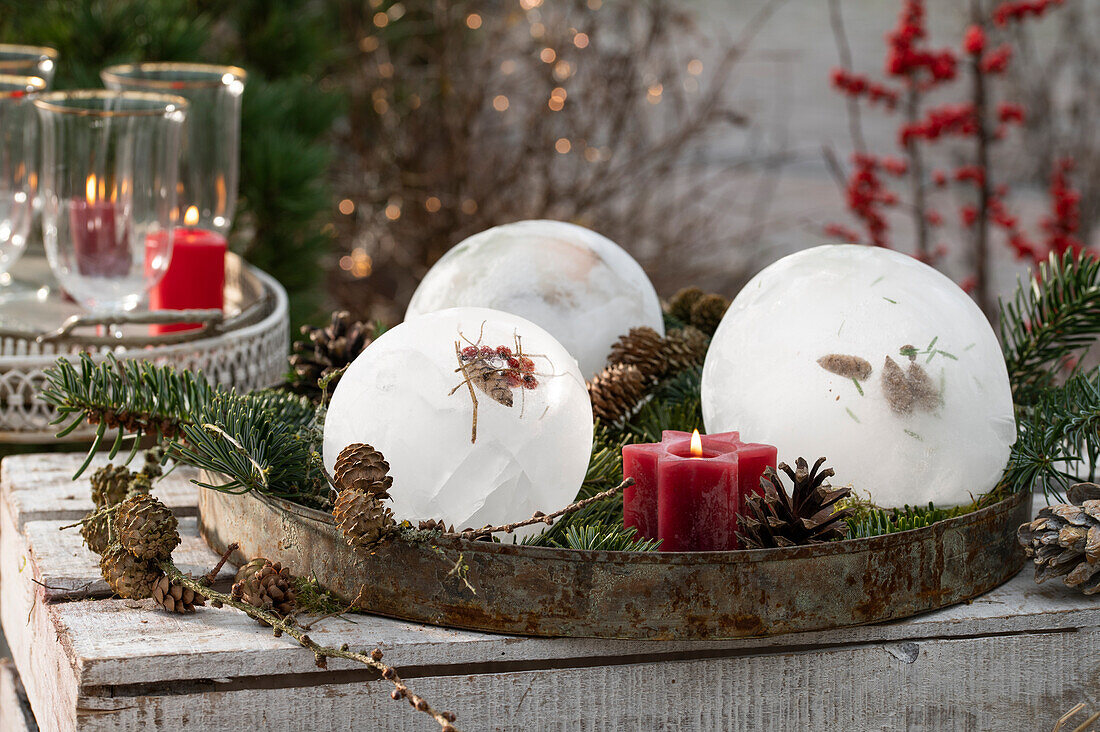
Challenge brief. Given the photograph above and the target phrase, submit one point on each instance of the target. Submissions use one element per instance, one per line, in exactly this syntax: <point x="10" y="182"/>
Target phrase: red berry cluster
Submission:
<point x="867" y="195"/>
<point x="906" y="58"/>
<point x="518" y="370"/>
<point x="860" y="85"/>
<point x="947" y="119"/>
<point x="1065" y="219"/>
<point x="1021" y="9"/>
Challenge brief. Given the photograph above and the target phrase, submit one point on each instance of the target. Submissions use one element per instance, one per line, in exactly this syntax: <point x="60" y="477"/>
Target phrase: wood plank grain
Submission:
<point x="39" y="643"/>
<point x="15" y="712"/>
<point x="68" y="569"/>
<point x="40" y="486"/>
<point x="936" y="685"/>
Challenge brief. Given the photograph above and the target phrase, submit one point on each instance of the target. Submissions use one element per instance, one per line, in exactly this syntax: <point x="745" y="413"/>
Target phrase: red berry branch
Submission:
<point x="914" y="68"/>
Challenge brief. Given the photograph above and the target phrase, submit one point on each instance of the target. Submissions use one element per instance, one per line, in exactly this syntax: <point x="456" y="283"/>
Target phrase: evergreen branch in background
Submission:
<point x="1052" y="318"/>
<point x="597" y="537"/>
<point x="1058" y="440"/>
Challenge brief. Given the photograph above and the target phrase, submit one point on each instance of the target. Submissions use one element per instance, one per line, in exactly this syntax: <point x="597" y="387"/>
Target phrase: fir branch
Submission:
<point x="281" y="625"/>
<point x="132" y="396"/>
<point x="1052" y="317"/>
<point x="1058" y="441"/>
<point x="597" y="537"/>
<point x="878" y="521"/>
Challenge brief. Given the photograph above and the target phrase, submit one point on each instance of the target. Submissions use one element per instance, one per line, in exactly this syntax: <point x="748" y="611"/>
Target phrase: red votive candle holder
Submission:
<point x="690" y="497"/>
<point x="195" y="278"/>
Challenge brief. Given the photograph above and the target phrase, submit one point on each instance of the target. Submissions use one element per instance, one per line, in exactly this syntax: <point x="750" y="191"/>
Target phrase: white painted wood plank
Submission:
<point x="15" y="713"/>
<point x="40" y="486"/>
<point x="38" y="642"/>
<point x="939" y="685"/>
<point x="69" y="569"/>
<point x="116" y="647"/>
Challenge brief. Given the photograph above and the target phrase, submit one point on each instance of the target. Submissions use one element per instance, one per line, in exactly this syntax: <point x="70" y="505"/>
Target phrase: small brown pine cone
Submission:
<point x="643" y="348"/>
<point x="325" y="351"/>
<point x="362" y="468"/>
<point x="679" y="306"/>
<point x="1064" y="540"/>
<point x="363" y="519"/>
<point x="707" y="312"/>
<point x="615" y="392"/>
<point x="266" y="585"/>
<point x="146" y="527"/>
<point x="174" y="597"/>
<point x="685" y="349"/>
<point x="435" y="525"/>
<point x="96" y="531"/>
<point x="130" y="577"/>
<point x="109" y="485"/>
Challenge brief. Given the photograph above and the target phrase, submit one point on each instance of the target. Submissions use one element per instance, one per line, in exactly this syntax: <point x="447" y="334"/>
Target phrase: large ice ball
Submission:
<point x="482" y="415"/>
<point x="583" y="288"/>
<point x="870" y="358"/>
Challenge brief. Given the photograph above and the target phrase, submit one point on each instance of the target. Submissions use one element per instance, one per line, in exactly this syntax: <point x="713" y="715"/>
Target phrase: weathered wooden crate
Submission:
<point x="1013" y="659"/>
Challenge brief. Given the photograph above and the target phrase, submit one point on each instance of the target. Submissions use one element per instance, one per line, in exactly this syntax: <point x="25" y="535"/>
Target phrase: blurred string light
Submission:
<point x="529" y="4"/>
<point x="393" y="211"/>
<point x="538" y="30"/>
<point x="563" y="145"/>
<point x="653" y="94"/>
<point x="500" y="102"/>
<point x="580" y="40"/>
<point x="473" y="21"/>
<point x="381" y="20"/>
<point x="507" y="66"/>
<point x="432" y="204"/>
<point x="469" y="206"/>
<point x="548" y="55"/>
<point x="595" y="4"/>
<point x="347" y="207"/>
<point x="562" y="70"/>
<point x="695" y="67"/>
<point x="358" y="263"/>
<point x="368" y="44"/>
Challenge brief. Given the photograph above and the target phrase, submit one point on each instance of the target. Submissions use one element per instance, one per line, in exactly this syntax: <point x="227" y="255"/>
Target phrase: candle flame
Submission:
<point x="90" y="189"/>
<point x="696" y="444"/>
<point x="191" y="217"/>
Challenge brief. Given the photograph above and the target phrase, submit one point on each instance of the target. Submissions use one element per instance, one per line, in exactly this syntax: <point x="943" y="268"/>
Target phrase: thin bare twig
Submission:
<point x="281" y="625"/>
<point x="539" y="517"/>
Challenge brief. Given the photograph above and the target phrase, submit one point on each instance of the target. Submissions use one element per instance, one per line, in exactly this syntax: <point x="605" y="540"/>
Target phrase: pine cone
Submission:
<point x="96" y="531"/>
<point x="130" y="577"/>
<point x="109" y="485"/>
<point x="615" y="392"/>
<point x="326" y="350"/>
<point x="174" y="597"/>
<point x="266" y="585"/>
<point x="685" y="349"/>
<point x="1064" y="540"/>
<point x="146" y="528"/>
<point x="362" y="468"/>
<point x="707" y="312"/>
<point x="642" y="347"/>
<point x="807" y="516"/>
<point x="679" y="306"/>
<point x="435" y="525"/>
<point x="363" y="519"/>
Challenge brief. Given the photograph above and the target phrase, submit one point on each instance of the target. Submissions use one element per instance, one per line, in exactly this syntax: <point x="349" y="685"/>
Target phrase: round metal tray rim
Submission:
<point x="846" y="546"/>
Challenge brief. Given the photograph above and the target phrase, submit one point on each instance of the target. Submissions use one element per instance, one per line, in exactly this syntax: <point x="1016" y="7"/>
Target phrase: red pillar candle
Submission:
<point x="691" y="503"/>
<point x="697" y="497"/>
<point x="195" y="278"/>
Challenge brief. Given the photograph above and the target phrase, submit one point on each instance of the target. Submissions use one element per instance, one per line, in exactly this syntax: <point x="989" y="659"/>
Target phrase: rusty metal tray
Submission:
<point x="507" y="588"/>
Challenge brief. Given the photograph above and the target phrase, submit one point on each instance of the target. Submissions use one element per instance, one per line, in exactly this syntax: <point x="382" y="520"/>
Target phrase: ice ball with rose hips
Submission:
<point x="873" y="359"/>
<point x="483" y="416"/>
<point x="583" y="288"/>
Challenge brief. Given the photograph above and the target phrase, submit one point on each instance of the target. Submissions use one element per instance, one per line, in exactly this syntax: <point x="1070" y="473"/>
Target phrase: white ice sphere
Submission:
<point x="412" y="394"/>
<point x="580" y="286"/>
<point x="872" y="359"/>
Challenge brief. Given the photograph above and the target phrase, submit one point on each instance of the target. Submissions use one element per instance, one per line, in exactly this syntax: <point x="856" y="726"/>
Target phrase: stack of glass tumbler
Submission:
<point x="135" y="184"/>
